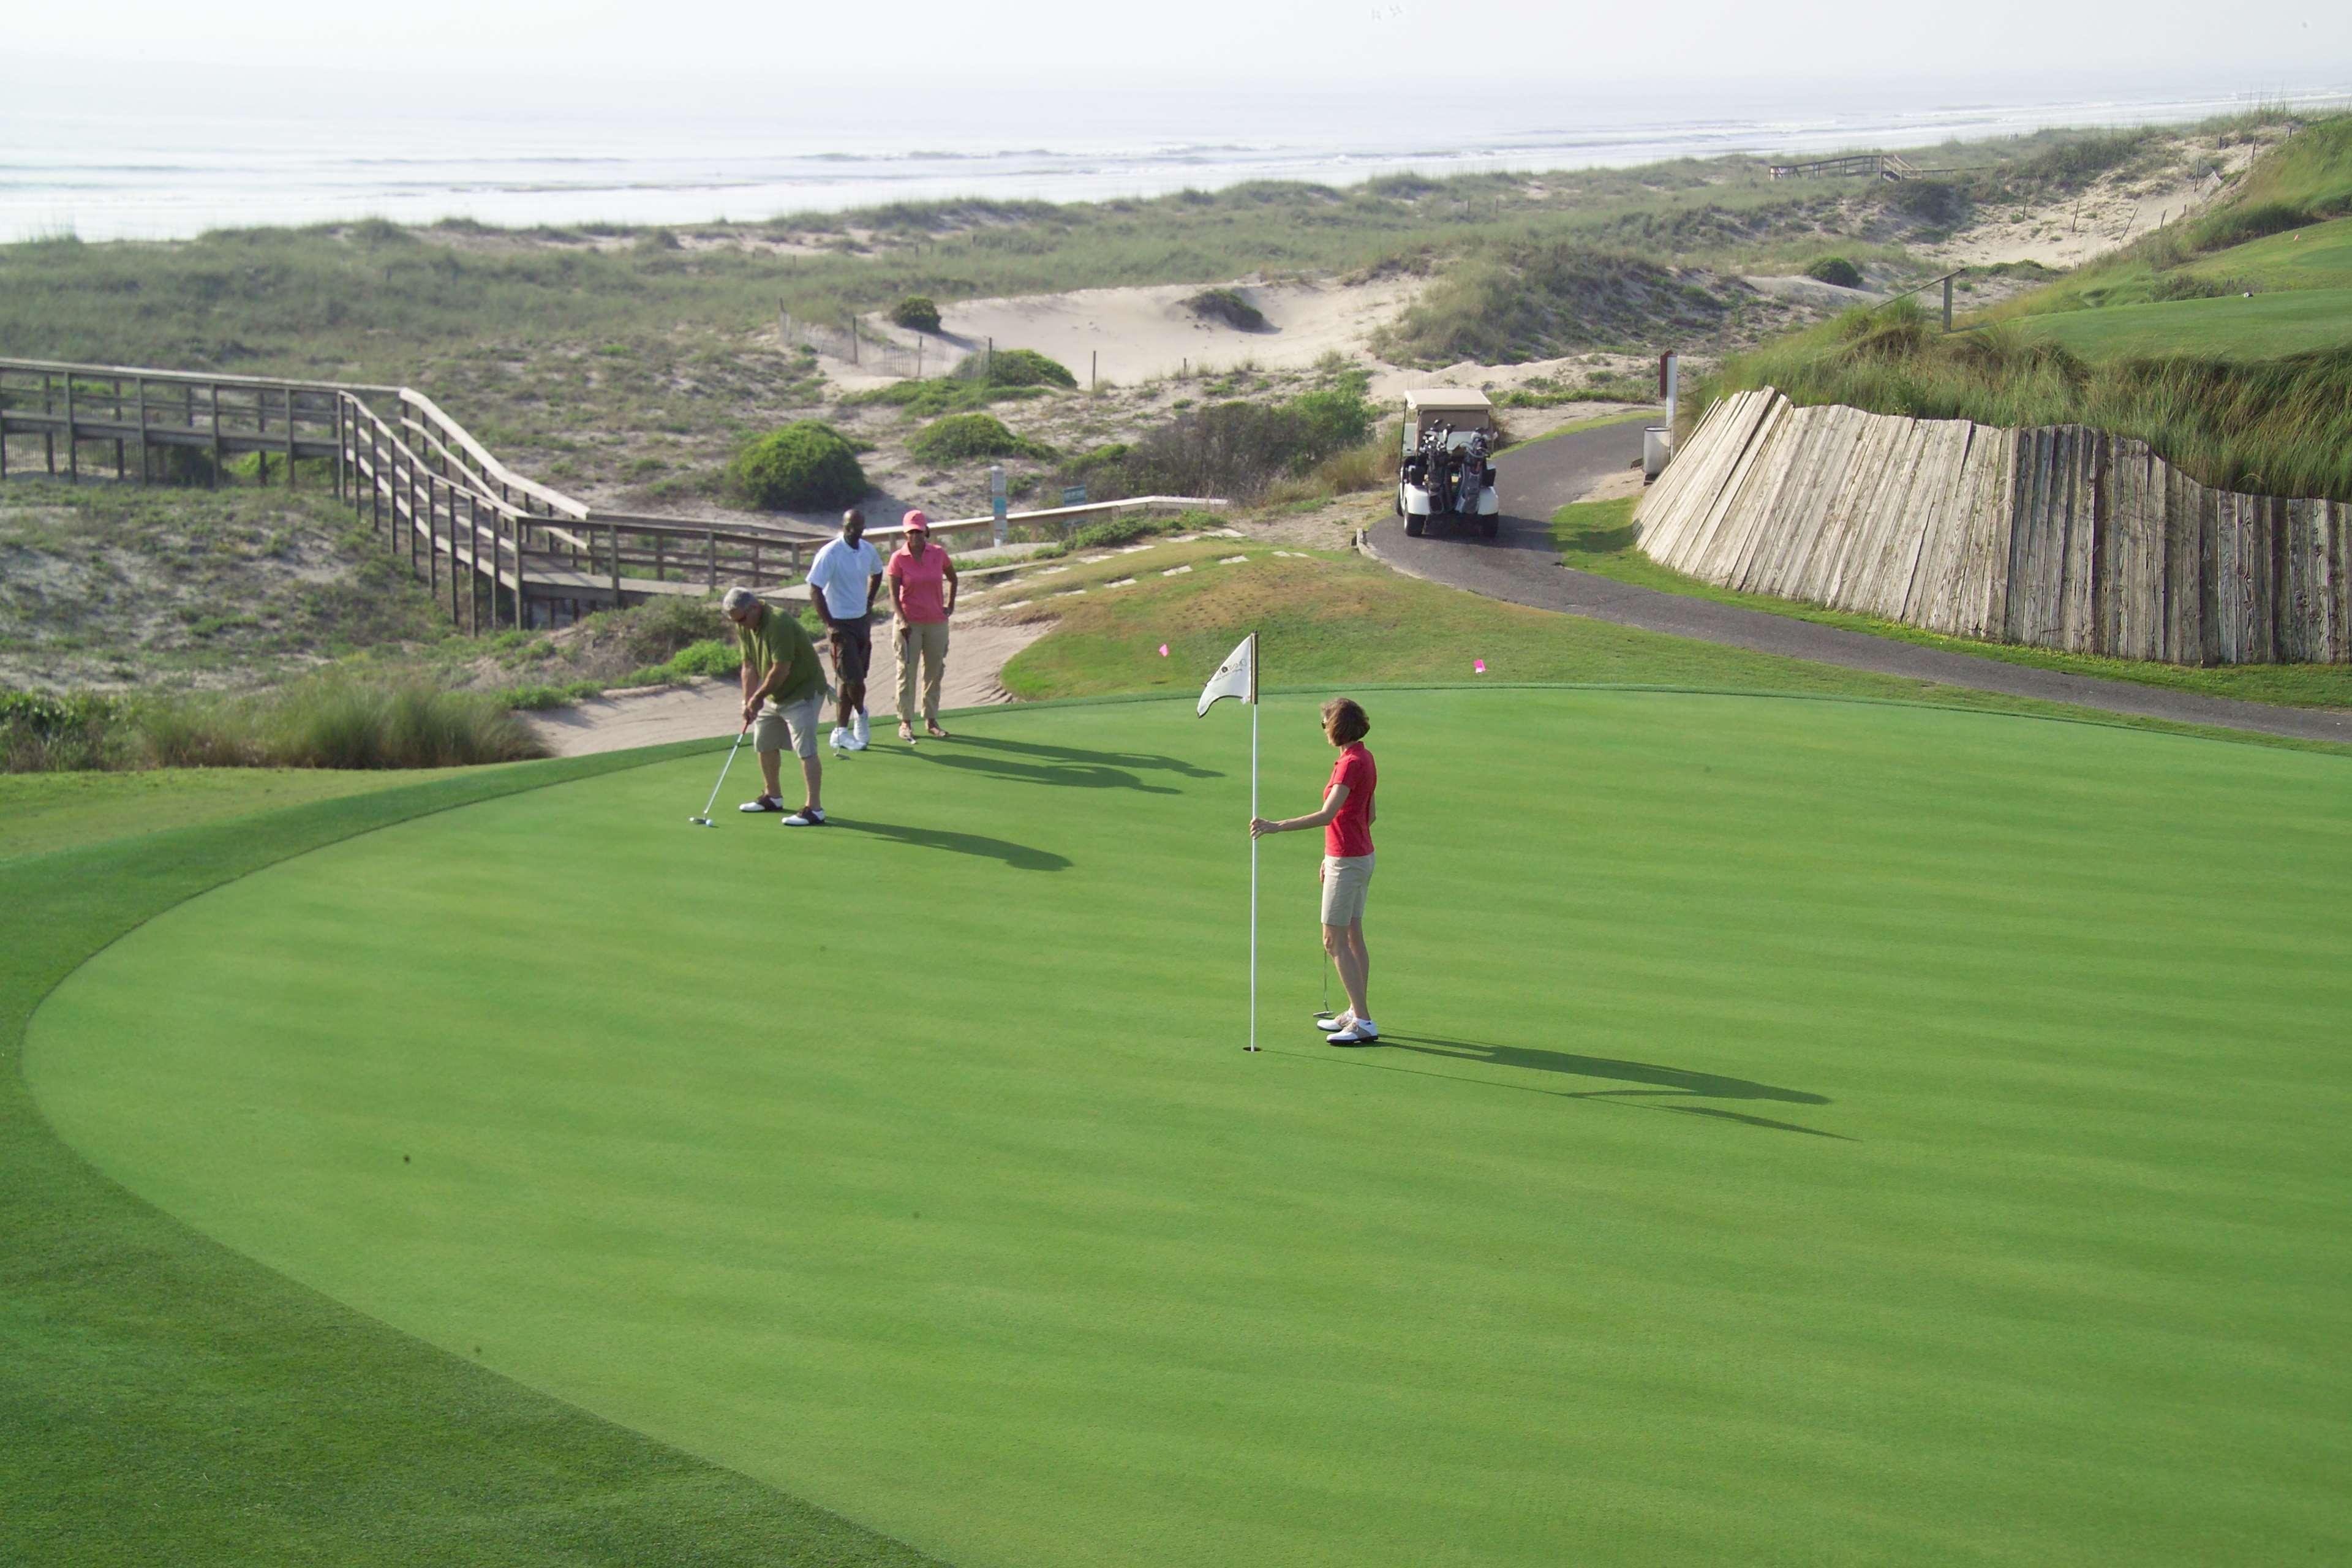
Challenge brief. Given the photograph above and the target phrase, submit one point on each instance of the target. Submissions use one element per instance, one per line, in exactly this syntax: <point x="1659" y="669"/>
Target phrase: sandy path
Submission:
<point x="977" y="652"/>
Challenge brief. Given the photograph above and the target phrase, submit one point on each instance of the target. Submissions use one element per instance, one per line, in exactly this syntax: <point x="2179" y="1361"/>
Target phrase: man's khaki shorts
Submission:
<point x="797" y="722"/>
<point x="1346" y="879"/>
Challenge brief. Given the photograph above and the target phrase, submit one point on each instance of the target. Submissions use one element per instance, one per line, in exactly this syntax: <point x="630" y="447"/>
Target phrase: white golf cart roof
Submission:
<point x="1446" y="400"/>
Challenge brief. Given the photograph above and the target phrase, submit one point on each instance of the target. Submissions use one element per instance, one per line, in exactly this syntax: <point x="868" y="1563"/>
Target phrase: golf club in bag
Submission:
<point x="704" y="820"/>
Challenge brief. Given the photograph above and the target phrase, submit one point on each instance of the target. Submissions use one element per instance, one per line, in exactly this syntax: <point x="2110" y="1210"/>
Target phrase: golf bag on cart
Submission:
<point x="1448" y="475"/>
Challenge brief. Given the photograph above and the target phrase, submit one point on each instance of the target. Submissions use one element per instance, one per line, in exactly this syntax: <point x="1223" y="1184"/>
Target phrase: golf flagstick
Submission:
<point x="1237" y="677"/>
<point x="1252" y="1040"/>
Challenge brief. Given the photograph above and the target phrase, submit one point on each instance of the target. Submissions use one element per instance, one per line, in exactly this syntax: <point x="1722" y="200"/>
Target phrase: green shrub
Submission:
<point x="40" y="733"/>
<point x="1014" y="367"/>
<point x="916" y="313"/>
<point x="1837" y="270"/>
<point x="803" y="467"/>
<point x="1226" y="305"/>
<point x="959" y="437"/>
<point x="1100" y="457"/>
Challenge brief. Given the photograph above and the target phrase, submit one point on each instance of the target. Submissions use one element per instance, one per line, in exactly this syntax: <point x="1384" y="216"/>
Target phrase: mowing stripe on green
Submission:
<point x="1807" y="1132"/>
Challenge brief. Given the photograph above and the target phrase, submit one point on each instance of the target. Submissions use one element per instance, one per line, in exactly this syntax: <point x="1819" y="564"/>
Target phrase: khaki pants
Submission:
<point x="925" y="642"/>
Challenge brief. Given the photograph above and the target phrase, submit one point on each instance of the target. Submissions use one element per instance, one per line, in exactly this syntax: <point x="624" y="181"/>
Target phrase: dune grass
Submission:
<point x="2252" y="394"/>
<point x="2270" y="426"/>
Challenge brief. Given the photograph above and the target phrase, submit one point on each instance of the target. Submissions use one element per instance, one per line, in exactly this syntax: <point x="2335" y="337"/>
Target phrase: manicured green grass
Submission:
<point x="40" y="813"/>
<point x="1597" y="537"/>
<point x="2319" y="257"/>
<point x="1808" y="1131"/>
<point x="163" y="1399"/>
<point x="2267" y="326"/>
<point x="1342" y="619"/>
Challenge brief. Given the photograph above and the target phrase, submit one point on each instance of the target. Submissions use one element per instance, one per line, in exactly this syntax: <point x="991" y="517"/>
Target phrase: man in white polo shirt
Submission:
<point x="843" y="580"/>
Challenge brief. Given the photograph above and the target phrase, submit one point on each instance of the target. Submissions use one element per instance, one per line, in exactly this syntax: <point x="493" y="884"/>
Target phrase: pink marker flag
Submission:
<point x="1478" y="666"/>
<point x="1163" y="650"/>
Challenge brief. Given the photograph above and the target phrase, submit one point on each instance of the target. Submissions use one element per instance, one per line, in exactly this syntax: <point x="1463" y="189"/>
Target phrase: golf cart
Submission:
<point x="1449" y="436"/>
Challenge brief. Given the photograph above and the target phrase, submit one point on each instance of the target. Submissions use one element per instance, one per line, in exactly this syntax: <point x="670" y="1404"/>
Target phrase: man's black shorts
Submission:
<point x="853" y="650"/>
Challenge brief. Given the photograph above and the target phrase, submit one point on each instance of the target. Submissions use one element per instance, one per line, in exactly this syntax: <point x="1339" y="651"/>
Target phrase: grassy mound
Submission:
<point x="1539" y="300"/>
<point x="1228" y="306"/>
<point x="1873" y="1205"/>
<point x="1837" y="270"/>
<point x="1014" y="368"/>
<point x="961" y="437"/>
<point x="805" y="466"/>
<point x="917" y="313"/>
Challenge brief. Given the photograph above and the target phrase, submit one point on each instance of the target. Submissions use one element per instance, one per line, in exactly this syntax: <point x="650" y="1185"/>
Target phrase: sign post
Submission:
<point x="996" y="500"/>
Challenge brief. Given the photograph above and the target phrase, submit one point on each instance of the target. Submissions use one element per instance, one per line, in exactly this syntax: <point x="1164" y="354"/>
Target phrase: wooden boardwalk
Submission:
<point x="499" y="548"/>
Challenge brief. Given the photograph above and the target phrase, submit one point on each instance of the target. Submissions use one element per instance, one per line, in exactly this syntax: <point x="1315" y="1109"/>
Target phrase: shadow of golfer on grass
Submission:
<point x="1147" y="759"/>
<point x="1066" y="775"/>
<point x="1664" y="1083"/>
<point x="1020" y="857"/>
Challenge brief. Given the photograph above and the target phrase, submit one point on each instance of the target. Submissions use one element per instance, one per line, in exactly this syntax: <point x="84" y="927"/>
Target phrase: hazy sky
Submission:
<point x="2248" y="46"/>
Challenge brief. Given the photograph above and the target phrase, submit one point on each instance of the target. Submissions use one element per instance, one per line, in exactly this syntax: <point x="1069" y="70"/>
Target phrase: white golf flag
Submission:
<point x="1237" y="677"/>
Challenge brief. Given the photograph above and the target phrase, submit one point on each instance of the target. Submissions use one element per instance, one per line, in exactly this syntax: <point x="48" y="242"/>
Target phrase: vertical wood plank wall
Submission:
<point x="2062" y="537"/>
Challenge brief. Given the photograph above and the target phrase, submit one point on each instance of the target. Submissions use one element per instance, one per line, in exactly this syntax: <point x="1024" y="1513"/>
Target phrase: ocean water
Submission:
<point x="319" y="154"/>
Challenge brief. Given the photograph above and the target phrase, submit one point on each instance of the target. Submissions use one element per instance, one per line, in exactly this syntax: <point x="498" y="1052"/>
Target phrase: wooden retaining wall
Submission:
<point x="2061" y="538"/>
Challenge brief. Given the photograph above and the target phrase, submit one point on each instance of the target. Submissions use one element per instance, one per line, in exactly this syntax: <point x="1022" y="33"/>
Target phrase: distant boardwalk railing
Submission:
<point x="2060" y="537"/>
<point x="499" y="548"/>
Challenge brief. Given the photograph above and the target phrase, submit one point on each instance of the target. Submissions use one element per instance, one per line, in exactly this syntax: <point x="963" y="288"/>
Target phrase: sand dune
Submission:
<point x="1143" y="332"/>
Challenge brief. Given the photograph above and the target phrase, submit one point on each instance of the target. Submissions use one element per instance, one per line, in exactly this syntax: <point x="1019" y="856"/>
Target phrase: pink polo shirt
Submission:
<point x="922" y="581"/>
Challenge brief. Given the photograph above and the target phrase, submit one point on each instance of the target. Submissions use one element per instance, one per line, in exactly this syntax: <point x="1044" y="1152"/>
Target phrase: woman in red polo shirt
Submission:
<point x="1345" y="820"/>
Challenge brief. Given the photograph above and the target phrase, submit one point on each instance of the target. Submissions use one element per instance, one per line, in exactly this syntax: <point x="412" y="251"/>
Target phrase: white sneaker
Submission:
<point x="1326" y="1022"/>
<point x="856" y="743"/>
<point x="861" y="731"/>
<point x="765" y="802"/>
<point x="841" y="740"/>
<point x="1358" y="1032"/>
<point x="806" y="816"/>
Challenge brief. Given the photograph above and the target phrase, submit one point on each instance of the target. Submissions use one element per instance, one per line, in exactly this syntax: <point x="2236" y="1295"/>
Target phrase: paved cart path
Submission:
<point x="1523" y="567"/>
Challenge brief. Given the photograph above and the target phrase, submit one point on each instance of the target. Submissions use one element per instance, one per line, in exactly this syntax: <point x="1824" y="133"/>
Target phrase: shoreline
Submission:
<point x="689" y="171"/>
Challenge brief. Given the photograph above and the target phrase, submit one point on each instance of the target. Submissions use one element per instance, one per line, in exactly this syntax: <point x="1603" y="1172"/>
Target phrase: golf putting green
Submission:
<point x="1807" y="1132"/>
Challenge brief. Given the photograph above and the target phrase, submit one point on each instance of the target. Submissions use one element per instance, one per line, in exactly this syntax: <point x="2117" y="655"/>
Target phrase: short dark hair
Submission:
<point x="1345" y="720"/>
<point x="852" y="515"/>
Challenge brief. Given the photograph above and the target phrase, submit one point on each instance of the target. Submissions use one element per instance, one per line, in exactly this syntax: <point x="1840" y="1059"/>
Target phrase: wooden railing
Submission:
<point x="489" y="539"/>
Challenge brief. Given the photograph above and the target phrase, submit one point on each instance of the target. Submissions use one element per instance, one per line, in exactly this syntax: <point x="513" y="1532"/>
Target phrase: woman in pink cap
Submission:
<point x="922" y="597"/>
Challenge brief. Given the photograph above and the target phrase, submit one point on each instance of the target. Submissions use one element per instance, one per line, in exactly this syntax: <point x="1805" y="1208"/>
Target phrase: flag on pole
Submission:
<point x="1237" y="677"/>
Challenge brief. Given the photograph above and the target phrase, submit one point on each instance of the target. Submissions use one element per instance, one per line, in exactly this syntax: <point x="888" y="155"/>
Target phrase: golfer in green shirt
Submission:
<point x="784" y="696"/>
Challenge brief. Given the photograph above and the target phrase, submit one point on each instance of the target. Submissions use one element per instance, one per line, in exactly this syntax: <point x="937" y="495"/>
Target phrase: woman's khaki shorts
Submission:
<point x="1346" y="878"/>
<point x="797" y="722"/>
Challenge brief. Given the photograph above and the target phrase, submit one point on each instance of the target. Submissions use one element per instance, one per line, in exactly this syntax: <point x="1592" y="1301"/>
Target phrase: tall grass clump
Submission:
<point x="2280" y="426"/>
<point x="331" y="720"/>
<point x="40" y="733"/>
<point x="1238" y="451"/>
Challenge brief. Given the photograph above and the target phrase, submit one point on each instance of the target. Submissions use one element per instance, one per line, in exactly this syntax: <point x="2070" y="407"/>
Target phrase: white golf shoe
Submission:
<point x="841" y="740"/>
<point x="806" y="816"/>
<point x="861" y="732"/>
<point x="1358" y="1032"/>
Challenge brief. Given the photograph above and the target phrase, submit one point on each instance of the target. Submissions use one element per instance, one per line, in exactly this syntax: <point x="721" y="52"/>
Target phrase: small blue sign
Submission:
<point x="1074" y="495"/>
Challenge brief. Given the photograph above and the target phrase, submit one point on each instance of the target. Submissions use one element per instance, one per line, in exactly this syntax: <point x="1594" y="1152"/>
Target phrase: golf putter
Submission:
<point x="704" y="820"/>
<point x="1327" y="1018"/>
